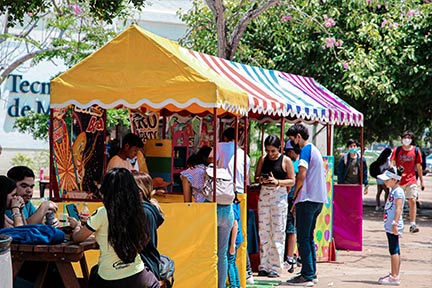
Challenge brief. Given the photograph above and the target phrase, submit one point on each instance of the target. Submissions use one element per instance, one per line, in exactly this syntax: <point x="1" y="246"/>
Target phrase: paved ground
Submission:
<point x="362" y="269"/>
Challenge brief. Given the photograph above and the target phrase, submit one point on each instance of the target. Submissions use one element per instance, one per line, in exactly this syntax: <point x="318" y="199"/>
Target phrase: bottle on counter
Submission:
<point x="85" y="213"/>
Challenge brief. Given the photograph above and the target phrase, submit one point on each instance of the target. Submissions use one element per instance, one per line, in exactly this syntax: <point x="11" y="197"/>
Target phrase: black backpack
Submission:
<point x="374" y="169"/>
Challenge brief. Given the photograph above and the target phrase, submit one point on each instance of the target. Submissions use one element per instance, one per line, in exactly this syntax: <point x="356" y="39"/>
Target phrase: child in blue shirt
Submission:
<point x="393" y="222"/>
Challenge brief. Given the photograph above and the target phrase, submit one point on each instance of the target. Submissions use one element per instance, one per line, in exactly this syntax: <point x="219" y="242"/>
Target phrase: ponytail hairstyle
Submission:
<point x="128" y="231"/>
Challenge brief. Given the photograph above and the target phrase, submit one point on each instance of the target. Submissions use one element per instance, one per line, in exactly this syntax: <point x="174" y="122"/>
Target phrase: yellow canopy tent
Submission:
<point x="138" y="68"/>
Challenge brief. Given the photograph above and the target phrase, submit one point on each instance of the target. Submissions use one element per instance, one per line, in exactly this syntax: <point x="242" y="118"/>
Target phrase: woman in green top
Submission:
<point x="121" y="230"/>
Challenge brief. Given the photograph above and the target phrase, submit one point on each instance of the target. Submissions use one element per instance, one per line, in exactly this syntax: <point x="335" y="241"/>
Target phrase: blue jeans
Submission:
<point x="306" y="216"/>
<point x="233" y="274"/>
<point x="225" y="218"/>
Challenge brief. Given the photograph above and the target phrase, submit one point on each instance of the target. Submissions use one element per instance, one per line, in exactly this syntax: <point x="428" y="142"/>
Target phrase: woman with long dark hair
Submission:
<point x="10" y="200"/>
<point x="121" y="230"/>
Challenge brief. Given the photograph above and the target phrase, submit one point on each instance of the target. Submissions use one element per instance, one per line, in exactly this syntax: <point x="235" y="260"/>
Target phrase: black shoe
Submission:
<point x="414" y="229"/>
<point x="262" y="273"/>
<point x="300" y="281"/>
<point x="273" y="274"/>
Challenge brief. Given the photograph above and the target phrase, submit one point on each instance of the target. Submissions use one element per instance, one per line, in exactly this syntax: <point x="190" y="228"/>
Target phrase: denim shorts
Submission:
<point x="290" y="225"/>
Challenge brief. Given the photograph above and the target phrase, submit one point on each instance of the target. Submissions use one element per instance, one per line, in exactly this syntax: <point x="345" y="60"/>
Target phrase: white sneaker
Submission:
<point x="250" y="280"/>
<point x="389" y="280"/>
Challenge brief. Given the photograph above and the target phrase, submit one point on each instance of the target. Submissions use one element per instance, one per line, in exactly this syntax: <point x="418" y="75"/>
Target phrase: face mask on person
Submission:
<point x="353" y="150"/>
<point x="406" y="141"/>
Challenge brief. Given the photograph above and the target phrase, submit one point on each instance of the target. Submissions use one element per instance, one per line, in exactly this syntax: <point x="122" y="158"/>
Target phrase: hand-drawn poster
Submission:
<point x="63" y="163"/>
<point x="88" y="146"/>
<point x="144" y="124"/>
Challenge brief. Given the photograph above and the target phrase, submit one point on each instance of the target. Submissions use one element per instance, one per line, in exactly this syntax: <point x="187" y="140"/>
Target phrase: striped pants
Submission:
<point x="272" y="214"/>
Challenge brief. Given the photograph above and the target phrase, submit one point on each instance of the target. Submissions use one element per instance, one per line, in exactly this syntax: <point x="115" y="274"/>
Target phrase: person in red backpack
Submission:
<point x="409" y="157"/>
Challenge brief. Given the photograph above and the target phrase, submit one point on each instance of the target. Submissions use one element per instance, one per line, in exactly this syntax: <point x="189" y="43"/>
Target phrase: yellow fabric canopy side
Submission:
<point x="138" y="68"/>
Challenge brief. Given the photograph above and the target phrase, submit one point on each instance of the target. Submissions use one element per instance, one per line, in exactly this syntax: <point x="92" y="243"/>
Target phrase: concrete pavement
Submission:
<point x="362" y="269"/>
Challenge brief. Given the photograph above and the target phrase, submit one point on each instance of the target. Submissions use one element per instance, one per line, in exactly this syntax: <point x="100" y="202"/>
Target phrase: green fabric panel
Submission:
<point x="159" y="164"/>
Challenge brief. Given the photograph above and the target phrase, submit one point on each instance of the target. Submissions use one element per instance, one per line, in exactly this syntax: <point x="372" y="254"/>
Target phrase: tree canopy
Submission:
<point x="373" y="54"/>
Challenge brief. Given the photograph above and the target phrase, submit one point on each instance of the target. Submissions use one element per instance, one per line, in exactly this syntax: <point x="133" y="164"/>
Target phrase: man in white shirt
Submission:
<point x="130" y="145"/>
<point x="225" y="158"/>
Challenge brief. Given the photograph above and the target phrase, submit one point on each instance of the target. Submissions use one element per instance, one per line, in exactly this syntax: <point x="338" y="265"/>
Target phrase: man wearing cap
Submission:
<point x="130" y="145"/>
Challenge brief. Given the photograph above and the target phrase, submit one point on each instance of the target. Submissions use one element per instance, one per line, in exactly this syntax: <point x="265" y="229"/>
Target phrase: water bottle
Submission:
<point x="85" y="213"/>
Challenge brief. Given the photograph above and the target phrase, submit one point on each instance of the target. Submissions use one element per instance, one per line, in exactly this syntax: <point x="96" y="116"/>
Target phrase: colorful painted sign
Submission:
<point x="88" y="146"/>
<point x="323" y="229"/>
<point x="63" y="163"/>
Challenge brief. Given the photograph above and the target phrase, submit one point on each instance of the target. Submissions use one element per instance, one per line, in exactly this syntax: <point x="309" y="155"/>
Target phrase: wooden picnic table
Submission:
<point x="62" y="255"/>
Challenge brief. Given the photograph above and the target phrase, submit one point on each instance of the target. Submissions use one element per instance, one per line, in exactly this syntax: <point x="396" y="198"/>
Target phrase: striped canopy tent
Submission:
<point x="275" y="93"/>
<point x="141" y="69"/>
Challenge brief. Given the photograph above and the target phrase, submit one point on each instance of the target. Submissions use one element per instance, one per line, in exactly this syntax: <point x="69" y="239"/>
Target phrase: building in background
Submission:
<point x="27" y="88"/>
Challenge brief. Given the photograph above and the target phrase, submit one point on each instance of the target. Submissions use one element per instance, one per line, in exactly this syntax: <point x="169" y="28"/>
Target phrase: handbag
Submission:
<point x="224" y="186"/>
<point x="166" y="270"/>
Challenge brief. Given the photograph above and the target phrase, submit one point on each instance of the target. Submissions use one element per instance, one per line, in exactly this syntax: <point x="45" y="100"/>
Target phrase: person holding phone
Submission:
<point x="275" y="173"/>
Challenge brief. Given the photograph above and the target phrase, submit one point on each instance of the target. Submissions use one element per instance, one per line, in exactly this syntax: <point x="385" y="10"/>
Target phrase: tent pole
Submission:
<point x="246" y="148"/>
<point x="361" y="154"/>
<point x="236" y="128"/>
<point x="329" y="137"/>
<point x="163" y="124"/>
<point x="282" y="130"/>
<point x="51" y="152"/>
<point x="215" y="140"/>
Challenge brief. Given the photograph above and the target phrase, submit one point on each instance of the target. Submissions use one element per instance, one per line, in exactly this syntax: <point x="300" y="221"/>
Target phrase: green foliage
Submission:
<point x="35" y="124"/>
<point x="21" y="159"/>
<point x="373" y="54"/>
<point x="18" y="9"/>
<point x="35" y="160"/>
<point x="104" y="10"/>
<point x="117" y="117"/>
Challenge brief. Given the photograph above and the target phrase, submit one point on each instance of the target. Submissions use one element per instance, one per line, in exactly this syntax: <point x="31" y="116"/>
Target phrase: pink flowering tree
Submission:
<point x="374" y="54"/>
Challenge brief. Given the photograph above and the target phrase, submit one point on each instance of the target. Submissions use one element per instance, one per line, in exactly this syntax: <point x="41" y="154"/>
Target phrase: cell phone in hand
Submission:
<point x="72" y="211"/>
<point x="265" y="175"/>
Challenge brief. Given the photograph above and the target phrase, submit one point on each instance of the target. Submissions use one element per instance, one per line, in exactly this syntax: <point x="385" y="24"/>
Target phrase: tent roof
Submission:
<point x="138" y="68"/>
<point x="278" y="93"/>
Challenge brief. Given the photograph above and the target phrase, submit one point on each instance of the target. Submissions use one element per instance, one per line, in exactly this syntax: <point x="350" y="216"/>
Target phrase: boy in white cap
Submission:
<point x="393" y="222"/>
